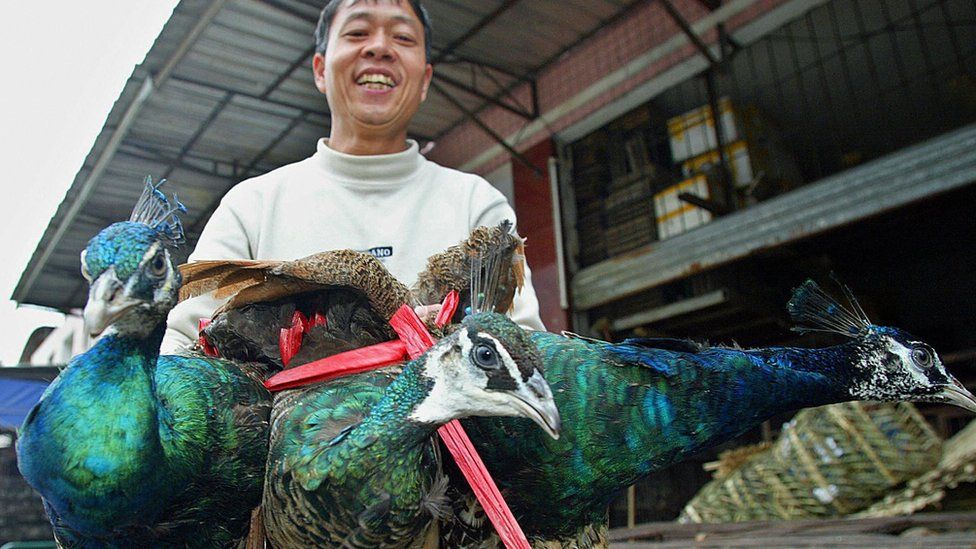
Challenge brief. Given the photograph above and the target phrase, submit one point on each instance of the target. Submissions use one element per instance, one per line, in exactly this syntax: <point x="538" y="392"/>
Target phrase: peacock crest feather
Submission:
<point x="814" y="310"/>
<point x="160" y="213"/>
<point x="491" y="260"/>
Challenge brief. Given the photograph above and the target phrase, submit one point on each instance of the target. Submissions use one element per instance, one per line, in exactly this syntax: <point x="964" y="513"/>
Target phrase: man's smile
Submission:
<point x="376" y="81"/>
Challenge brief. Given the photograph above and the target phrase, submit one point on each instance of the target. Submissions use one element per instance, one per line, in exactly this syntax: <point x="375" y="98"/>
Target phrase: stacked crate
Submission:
<point x="615" y="172"/>
<point x="591" y="174"/>
<point x="758" y="165"/>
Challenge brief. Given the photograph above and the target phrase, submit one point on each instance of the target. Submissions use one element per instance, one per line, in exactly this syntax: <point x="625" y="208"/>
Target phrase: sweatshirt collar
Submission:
<point x="386" y="169"/>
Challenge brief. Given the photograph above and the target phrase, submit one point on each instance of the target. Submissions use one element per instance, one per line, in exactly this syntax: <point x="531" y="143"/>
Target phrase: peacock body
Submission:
<point x="128" y="448"/>
<point x="638" y="406"/>
<point x="352" y="463"/>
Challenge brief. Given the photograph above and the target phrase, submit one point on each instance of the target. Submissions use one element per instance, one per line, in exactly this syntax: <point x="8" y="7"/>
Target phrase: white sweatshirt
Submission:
<point x="400" y="207"/>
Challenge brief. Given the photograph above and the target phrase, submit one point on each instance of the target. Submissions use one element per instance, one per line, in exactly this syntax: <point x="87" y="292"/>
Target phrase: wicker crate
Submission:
<point x="829" y="461"/>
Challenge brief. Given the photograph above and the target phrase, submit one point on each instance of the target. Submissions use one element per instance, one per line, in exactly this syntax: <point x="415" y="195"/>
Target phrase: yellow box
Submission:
<point x="739" y="157"/>
<point x="693" y="132"/>
<point x="675" y="216"/>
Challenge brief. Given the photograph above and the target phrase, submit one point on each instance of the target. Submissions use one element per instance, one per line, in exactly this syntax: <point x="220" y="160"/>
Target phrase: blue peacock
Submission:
<point x="638" y="406"/>
<point x="129" y="448"/>
<point x="631" y="408"/>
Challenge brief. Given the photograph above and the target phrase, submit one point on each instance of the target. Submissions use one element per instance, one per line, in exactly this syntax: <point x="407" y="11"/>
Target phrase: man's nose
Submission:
<point x="379" y="46"/>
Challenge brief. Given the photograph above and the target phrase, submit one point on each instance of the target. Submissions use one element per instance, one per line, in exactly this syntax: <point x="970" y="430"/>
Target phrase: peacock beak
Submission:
<point x="107" y="301"/>
<point x="956" y="393"/>
<point x="534" y="400"/>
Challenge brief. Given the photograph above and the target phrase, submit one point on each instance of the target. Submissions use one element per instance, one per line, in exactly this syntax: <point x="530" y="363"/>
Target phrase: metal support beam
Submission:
<point x="689" y="32"/>
<point x="484" y="22"/>
<point x="704" y="203"/>
<point x="241" y="93"/>
<point x="298" y="62"/>
<point x="214" y="113"/>
<point x="274" y="143"/>
<point x="715" y="64"/>
<point x="150" y="154"/>
<point x="484" y="127"/>
<point x="493" y="100"/>
<point x="456" y="58"/>
<point x="725" y="173"/>
<point x="710" y="5"/>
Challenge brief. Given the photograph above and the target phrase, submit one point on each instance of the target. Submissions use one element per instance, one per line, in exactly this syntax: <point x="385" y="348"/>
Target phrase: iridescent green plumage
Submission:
<point x="128" y="448"/>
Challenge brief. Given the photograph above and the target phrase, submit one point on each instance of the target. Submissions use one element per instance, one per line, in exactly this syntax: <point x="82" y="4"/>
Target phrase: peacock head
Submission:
<point x="133" y="282"/>
<point x="892" y="365"/>
<point x="487" y="367"/>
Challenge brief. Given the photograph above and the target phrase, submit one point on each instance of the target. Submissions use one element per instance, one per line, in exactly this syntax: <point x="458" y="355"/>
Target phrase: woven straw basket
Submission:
<point x="828" y="461"/>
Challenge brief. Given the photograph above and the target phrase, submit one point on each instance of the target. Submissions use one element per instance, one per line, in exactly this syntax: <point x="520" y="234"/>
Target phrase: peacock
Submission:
<point x="129" y="448"/>
<point x="638" y="406"/>
<point x="351" y="463"/>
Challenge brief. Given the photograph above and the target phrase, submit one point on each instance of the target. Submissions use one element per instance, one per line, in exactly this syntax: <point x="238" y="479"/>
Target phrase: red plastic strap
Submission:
<point x="474" y="471"/>
<point x="208" y="348"/>
<point x="412" y="331"/>
<point x="342" y="364"/>
<point x="414" y="340"/>
<point x="318" y="319"/>
<point x="447" y="308"/>
<point x="290" y="339"/>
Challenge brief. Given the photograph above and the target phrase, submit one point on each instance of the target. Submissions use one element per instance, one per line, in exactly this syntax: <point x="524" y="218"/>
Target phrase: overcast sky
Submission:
<point x="64" y="64"/>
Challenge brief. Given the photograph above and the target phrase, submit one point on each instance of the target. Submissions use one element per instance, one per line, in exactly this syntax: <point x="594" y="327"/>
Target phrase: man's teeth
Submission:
<point x="376" y="81"/>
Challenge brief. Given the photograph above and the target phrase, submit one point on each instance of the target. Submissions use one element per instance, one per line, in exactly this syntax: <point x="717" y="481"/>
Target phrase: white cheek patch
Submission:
<point x="886" y="381"/>
<point x="444" y="366"/>
<point x="171" y="271"/>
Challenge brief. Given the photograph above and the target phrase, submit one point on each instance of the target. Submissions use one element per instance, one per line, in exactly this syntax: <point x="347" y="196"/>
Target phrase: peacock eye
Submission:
<point x="158" y="265"/>
<point x="922" y="357"/>
<point x="485" y="356"/>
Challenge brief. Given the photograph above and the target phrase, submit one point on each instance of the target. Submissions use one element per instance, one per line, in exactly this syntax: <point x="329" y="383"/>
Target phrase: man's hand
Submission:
<point x="427" y="313"/>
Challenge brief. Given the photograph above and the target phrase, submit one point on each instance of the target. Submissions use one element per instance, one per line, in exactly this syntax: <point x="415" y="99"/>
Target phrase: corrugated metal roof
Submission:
<point x="226" y="92"/>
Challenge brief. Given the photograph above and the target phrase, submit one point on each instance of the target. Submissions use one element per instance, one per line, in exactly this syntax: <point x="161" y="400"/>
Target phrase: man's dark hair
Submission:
<point x="328" y="15"/>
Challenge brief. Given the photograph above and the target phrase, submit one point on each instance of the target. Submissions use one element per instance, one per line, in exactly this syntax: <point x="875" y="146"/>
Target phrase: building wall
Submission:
<point x="64" y="342"/>
<point x="533" y="207"/>
<point x="639" y="47"/>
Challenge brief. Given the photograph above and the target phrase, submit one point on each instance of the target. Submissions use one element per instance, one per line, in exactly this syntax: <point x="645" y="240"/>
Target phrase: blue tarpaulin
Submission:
<point x="17" y="396"/>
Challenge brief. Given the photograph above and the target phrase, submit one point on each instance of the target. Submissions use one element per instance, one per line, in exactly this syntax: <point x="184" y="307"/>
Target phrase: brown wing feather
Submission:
<point x="249" y="282"/>
<point x="271" y="290"/>
<point x="201" y="277"/>
<point x="451" y="269"/>
<point x="349" y="269"/>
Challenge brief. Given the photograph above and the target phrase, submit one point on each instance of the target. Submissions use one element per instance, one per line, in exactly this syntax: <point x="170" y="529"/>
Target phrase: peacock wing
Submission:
<point x="342" y="299"/>
<point x="489" y="262"/>
<point x="215" y="428"/>
<point x="310" y="425"/>
<point x="614" y="400"/>
<point x="224" y="276"/>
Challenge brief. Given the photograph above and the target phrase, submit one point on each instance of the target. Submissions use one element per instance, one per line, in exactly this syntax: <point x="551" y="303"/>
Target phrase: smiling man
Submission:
<point x="366" y="187"/>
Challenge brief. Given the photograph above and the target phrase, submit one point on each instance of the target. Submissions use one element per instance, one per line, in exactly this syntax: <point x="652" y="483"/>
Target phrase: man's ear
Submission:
<point x="428" y="75"/>
<point x="318" y="71"/>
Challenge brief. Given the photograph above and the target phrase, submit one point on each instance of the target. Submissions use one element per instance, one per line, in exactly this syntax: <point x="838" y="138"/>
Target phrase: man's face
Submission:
<point x="374" y="72"/>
